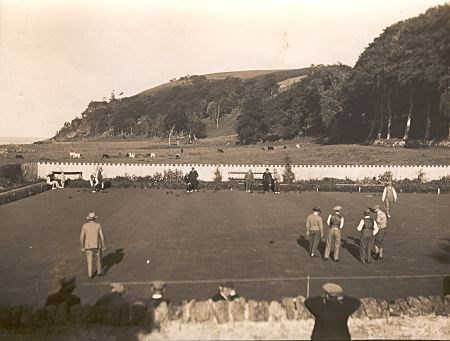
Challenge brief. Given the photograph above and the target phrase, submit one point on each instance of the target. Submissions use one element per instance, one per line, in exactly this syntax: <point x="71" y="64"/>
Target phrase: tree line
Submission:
<point x="398" y="88"/>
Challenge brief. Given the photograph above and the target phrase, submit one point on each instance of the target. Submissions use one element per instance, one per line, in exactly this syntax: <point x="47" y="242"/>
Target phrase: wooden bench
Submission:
<point x="69" y="175"/>
<point x="242" y="177"/>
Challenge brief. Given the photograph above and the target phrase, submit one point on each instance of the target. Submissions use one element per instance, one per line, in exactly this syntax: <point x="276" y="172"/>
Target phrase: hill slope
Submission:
<point x="188" y="105"/>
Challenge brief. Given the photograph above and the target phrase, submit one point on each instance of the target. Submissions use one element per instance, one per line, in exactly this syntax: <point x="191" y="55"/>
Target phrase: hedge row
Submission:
<point x="322" y="186"/>
<point x="23" y="192"/>
<point x="140" y="314"/>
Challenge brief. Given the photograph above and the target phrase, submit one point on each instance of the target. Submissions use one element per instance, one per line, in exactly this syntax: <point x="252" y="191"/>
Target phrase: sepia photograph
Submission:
<point x="224" y="170"/>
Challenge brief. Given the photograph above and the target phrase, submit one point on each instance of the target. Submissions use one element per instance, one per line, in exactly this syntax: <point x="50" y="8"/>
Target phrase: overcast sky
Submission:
<point x="56" y="56"/>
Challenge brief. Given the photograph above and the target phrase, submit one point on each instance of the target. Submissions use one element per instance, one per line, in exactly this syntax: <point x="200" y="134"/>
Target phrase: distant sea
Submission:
<point x="19" y="140"/>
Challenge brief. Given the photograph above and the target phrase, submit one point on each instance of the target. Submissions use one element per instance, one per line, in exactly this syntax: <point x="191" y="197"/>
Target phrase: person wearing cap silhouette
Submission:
<point x="314" y="230"/>
<point x="267" y="180"/>
<point x="226" y="293"/>
<point x="331" y="312"/>
<point x="157" y="289"/>
<point x="336" y="222"/>
<point x="368" y="228"/>
<point x="381" y="220"/>
<point x="192" y="177"/>
<point x="92" y="243"/>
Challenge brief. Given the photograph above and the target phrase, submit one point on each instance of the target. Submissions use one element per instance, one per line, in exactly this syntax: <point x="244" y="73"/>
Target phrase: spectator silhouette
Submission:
<point x="108" y="307"/>
<point x="64" y="296"/>
<point x="111" y="259"/>
<point x="331" y="312"/>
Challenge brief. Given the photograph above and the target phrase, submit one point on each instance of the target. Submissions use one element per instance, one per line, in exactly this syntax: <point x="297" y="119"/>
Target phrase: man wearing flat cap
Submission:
<point x="157" y="289"/>
<point x="381" y="220"/>
<point x="92" y="243"/>
<point x="314" y="230"/>
<point x="331" y="312"/>
<point x="336" y="222"/>
<point x="267" y="180"/>
<point x="226" y="293"/>
<point x="368" y="228"/>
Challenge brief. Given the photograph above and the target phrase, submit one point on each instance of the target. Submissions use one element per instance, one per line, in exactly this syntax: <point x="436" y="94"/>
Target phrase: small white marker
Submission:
<point x="31" y="247"/>
<point x="439" y="190"/>
<point x="148" y="261"/>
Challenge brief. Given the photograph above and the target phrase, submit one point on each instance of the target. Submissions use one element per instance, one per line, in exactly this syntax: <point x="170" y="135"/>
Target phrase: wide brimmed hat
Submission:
<point x="91" y="216"/>
<point x="367" y="211"/>
<point x="317" y="209"/>
<point x="337" y="208"/>
<point x="332" y="289"/>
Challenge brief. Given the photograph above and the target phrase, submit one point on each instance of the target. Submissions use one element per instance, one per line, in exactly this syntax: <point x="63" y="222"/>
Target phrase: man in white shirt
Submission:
<point x="368" y="228"/>
<point x="336" y="222"/>
<point x="389" y="197"/>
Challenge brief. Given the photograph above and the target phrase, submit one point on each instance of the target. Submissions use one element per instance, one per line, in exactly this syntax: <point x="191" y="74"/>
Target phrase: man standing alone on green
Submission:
<point x="389" y="197"/>
<point x="314" y="230"/>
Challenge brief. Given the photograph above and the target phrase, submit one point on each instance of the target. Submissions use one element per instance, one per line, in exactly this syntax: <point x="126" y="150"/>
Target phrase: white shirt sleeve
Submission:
<point x="328" y="220"/>
<point x="384" y="194"/>
<point x="342" y="222"/>
<point x="375" y="227"/>
<point x="361" y="224"/>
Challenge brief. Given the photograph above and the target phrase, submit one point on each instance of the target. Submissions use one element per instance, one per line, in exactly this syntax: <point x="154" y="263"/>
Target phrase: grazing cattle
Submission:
<point x="177" y="156"/>
<point x="182" y="150"/>
<point x="297" y="146"/>
<point x="270" y="148"/>
<point x="19" y="157"/>
<point x="152" y="155"/>
<point x="74" y="155"/>
<point x="284" y="147"/>
<point x="130" y="155"/>
<point x="220" y="150"/>
<point x="105" y="156"/>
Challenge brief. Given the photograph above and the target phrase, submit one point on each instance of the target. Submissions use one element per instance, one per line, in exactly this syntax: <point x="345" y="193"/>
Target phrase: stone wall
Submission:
<point x="199" y="312"/>
<point x="207" y="172"/>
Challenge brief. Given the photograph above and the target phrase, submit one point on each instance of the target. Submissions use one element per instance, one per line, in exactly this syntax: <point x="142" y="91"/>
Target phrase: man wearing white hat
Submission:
<point x="331" y="312"/>
<point x="336" y="222"/>
<point x="92" y="242"/>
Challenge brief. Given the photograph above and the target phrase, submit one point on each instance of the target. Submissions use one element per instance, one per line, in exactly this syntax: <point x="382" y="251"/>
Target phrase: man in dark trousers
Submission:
<point x="368" y="228"/>
<point x="193" y="176"/>
<point x="267" y="180"/>
<point x="331" y="312"/>
<point x="381" y="220"/>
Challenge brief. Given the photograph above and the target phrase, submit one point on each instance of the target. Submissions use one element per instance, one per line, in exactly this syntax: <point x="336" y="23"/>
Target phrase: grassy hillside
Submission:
<point x="280" y="75"/>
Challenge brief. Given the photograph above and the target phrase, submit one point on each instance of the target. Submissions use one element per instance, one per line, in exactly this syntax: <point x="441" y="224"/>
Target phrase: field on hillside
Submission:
<point x="206" y="152"/>
<point x="194" y="241"/>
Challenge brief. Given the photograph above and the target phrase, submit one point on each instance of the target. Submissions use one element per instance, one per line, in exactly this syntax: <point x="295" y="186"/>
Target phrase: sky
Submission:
<point x="57" y="56"/>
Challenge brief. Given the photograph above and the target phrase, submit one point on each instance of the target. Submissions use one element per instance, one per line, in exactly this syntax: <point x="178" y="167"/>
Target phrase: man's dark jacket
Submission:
<point x="331" y="317"/>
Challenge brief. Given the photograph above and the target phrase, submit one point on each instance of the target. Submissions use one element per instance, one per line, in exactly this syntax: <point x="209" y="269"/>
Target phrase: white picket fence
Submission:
<point x="207" y="172"/>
